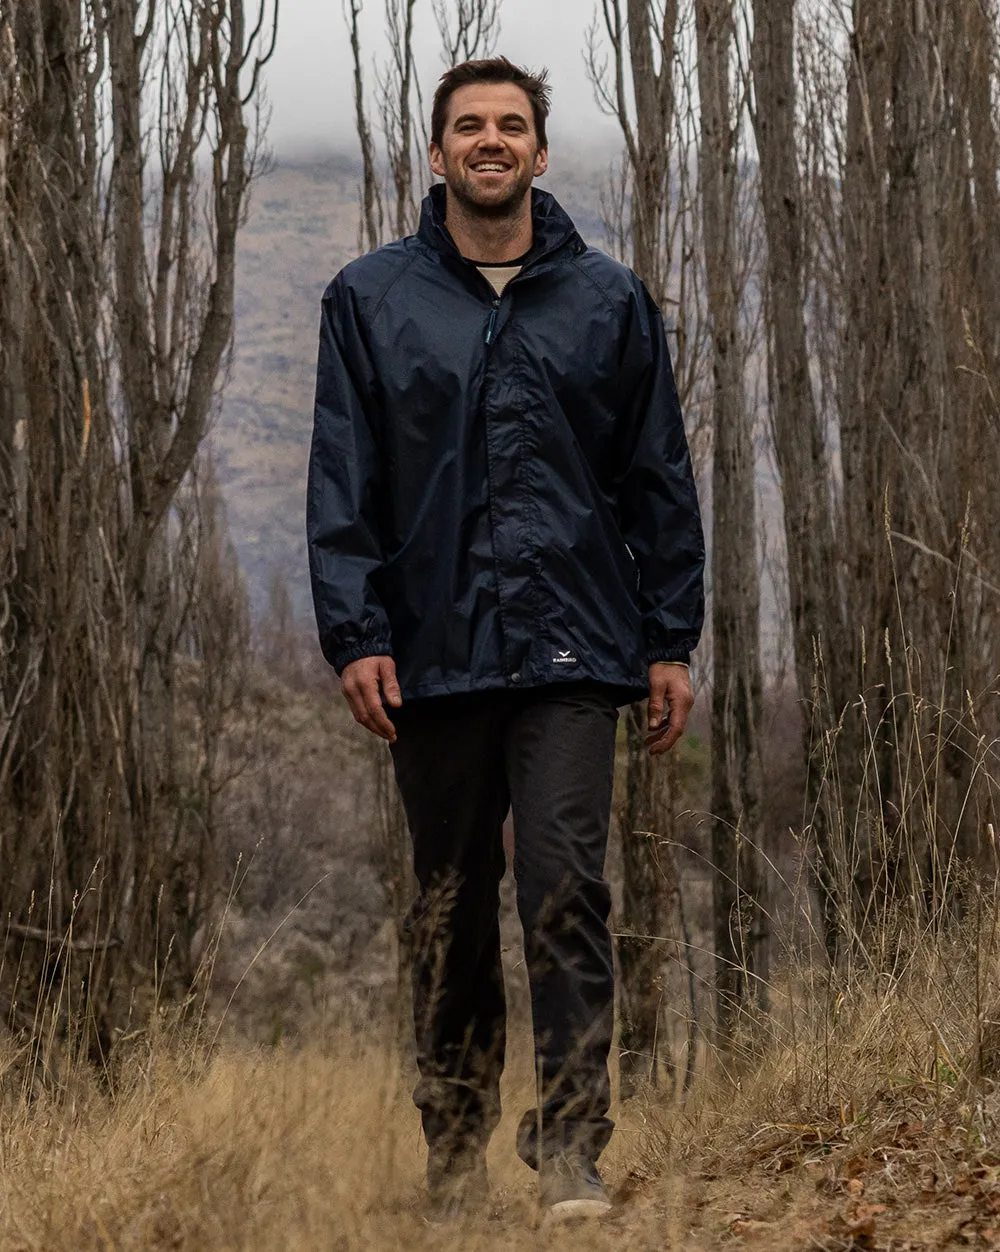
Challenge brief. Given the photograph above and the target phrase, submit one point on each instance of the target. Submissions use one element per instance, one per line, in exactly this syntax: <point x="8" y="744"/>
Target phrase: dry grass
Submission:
<point x="867" y="1120"/>
<point x="319" y="1148"/>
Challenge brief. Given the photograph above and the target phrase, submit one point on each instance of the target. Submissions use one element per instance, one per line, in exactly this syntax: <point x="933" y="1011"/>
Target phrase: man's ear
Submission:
<point x="437" y="159"/>
<point x="541" y="162"/>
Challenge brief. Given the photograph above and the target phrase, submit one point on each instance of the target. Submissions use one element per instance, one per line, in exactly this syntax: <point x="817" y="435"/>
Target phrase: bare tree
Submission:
<point x="214" y="656"/>
<point x="818" y="633"/>
<point x="877" y="262"/>
<point x="740" y="910"/>
<point x="115" y="321"/>
<point x="919" y="123"/>
<point x="642" y="38"/>
<point x="372" y="217"/>
<point x="641" y="81"/>
<point x="468" y="28"/>
<point x="397" y="86"/>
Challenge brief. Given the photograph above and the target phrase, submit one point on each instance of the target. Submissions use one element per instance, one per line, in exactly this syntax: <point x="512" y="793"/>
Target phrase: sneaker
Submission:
<point x="570" y="1187"/>
<point x="457" y="1183"/>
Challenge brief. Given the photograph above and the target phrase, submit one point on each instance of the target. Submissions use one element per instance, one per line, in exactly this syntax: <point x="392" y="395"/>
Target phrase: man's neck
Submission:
<point x="493" y="240"/>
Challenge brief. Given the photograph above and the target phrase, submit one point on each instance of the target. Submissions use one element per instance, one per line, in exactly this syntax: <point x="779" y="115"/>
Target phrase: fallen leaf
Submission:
<point x="861" y="1234"/>
<point x="747" y="1228"/>
<point x="868" y="1212"/>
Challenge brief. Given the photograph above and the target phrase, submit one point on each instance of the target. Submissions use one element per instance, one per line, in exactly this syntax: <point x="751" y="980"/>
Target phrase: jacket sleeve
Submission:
<point x="658" y="502"/>
<point x="345" y="481"/>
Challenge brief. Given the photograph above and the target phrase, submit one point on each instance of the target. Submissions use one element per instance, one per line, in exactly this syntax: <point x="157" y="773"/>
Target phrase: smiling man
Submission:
<point x="505" y="546"/>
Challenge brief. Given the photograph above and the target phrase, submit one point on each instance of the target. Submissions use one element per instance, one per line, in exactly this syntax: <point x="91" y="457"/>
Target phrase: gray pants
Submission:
<point x="461" y="763"/>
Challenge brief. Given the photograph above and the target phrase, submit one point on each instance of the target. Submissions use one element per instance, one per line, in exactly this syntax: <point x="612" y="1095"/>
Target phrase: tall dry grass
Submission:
<point x="319" y="1147"/>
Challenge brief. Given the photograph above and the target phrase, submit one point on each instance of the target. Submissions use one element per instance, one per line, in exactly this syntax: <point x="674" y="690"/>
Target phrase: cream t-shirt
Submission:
<point x="498" y="276"/>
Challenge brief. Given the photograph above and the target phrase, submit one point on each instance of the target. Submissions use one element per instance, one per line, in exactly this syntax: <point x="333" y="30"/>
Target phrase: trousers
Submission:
<point x="461" y="763"/>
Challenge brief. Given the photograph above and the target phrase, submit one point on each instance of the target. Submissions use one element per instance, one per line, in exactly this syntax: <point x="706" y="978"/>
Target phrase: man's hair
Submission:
<point x="495" y="70"/>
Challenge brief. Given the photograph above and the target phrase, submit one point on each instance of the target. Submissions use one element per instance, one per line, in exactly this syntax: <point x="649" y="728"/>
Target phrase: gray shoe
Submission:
<point x="570" y="1188"/>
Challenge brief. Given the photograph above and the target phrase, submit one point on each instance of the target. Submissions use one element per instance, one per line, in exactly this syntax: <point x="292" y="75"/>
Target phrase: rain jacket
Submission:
<point x="500" y="490"/>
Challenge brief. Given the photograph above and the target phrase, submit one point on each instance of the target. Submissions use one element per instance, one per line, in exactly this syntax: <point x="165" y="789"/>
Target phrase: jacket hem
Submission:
<point x="627" y="688"/>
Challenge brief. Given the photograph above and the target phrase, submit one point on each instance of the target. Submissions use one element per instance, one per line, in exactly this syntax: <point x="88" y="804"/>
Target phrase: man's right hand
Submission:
<point x="363" y="684"/>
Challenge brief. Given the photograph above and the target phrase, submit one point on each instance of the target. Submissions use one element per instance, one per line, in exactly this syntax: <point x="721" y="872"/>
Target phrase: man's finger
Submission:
<point x="662" y="744"/>
<point x="354" y="700"/>
<point x="357" y="693"/>
<point x="377" y="719"/>
<point x="654" y="713"/>
<point x="363" y="717"/>
<point x="387" y="673"/>
<point x="680" y="706"/>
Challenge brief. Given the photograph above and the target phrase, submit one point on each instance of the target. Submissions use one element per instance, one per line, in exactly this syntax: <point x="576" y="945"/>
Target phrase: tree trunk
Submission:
<point x="819" y="637"/>
<point x="657" y="1010"/>
<point x="739" y="899"/>
<point x="640" y="88"/>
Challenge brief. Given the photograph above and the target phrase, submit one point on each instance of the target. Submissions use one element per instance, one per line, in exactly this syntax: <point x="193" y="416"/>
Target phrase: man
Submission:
<point x="505" y="546"/>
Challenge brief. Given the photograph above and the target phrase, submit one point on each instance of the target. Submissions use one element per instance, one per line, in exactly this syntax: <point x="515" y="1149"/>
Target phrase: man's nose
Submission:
<point x="491" y="137"/>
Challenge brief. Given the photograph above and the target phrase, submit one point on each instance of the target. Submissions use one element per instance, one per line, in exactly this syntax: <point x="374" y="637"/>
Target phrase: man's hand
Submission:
<point x="670" y="686"/>
<point x="363" y="684"/>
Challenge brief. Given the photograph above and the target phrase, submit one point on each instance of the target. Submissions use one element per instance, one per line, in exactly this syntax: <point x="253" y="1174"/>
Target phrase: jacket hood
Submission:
<point x="553" y="227"/>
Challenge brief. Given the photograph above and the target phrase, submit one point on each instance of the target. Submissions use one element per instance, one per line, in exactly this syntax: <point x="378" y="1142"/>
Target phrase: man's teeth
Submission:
<point x="490" y="167"/>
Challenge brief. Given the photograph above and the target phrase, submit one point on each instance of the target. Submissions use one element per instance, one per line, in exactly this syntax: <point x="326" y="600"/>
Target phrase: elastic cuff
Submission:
<point x="679" y="655"/>
<point x="347" y="656"/>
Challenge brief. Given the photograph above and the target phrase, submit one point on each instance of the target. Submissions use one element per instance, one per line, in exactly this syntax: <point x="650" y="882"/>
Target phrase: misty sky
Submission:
<point x="309" y="80"/>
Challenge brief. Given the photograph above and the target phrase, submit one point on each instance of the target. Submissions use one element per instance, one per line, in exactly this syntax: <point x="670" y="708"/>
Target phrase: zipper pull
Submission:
<point x="492" y="324"/>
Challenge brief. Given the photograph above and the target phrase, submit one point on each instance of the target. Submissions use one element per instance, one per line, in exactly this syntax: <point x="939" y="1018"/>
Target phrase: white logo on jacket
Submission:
<point x="564" y="658"/>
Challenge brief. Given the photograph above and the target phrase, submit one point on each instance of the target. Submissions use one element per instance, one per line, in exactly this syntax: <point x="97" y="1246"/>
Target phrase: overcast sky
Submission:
<point x="309" y="80"/>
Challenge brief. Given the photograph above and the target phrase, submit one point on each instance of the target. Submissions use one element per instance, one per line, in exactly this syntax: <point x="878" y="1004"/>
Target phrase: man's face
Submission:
<point x="489" y="151"/>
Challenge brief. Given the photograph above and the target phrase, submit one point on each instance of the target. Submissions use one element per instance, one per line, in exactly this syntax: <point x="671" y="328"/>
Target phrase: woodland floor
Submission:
<point x="319" y="1148"/>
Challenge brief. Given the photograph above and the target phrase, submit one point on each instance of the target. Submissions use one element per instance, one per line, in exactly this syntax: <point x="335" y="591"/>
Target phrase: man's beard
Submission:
<point x="495" y="210"/>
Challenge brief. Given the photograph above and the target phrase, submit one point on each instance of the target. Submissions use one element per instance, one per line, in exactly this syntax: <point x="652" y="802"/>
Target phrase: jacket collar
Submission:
<point x="551" y="224"/>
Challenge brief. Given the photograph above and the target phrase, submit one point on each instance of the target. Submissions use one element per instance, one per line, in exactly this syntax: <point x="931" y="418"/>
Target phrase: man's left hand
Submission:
<point x="670" y="702"/>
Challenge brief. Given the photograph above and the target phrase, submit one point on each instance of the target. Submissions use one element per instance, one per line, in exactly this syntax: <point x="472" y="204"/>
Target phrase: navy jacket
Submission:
<point x="500" y="490"/>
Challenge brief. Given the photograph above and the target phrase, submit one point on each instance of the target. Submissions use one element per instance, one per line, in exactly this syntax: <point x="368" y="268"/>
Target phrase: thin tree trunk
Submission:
<point x="653" y="946"/>
<point x="371" y="223"/>
<point x="819" y="636"/>
<point x="739" y="904"/>
<point x="640" y="88"/>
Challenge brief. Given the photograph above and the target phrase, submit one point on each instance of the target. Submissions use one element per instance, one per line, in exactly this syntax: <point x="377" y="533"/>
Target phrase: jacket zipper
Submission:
<point x="492" y="324"/>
